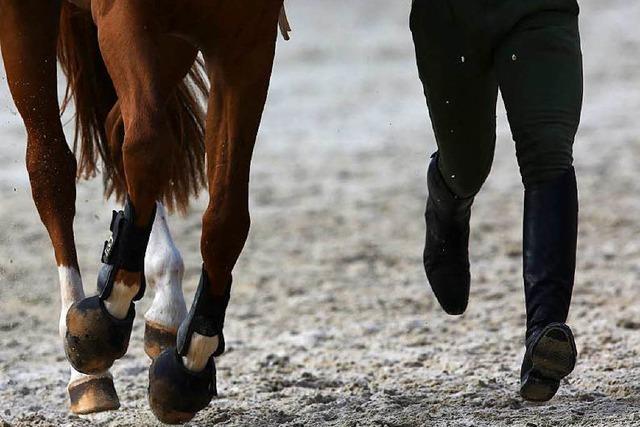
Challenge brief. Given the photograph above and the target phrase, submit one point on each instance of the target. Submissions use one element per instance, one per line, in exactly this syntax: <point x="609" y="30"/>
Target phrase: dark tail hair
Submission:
<point x="99" y="130"/>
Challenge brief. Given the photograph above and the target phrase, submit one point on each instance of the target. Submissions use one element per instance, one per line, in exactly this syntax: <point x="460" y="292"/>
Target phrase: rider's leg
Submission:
<point x="539" y="67"/>
<point x="461" y="91"/>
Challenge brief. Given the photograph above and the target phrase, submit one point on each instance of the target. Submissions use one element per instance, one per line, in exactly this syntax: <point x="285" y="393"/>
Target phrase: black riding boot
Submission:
<point x="446" y="251"/>
<point x="549" y="255"/>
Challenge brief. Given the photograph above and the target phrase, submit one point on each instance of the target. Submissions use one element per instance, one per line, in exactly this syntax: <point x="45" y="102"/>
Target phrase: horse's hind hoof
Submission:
<point x="176" y="394"/>
<point x="157" y="338"/>
<point x="91" y="395"/>
<point x="94" y="338"/>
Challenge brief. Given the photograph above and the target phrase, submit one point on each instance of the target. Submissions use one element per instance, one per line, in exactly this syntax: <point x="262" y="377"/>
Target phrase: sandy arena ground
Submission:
<point x="331" y="320"/>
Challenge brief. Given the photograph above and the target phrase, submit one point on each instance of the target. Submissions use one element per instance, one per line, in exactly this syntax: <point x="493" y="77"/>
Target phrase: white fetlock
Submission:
<point x="78" y="377"/>
<point x="168" y="308"/>
<point x="119" y="300"/>
<point x="70" y="291"/>
<point x="201" y="348"/>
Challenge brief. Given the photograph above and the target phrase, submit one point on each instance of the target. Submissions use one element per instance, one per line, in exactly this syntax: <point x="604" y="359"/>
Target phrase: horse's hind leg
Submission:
<point x="164" y="269"/>
<point x="240" y="76"/>
<point x="28" y="33"/>
<point x="132" y="47"/>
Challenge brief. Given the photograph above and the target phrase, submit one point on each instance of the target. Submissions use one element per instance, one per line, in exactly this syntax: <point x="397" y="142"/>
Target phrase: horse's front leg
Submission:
<point x="28" y="35"/>
<point x="87" y="393"/>
<point x="182" y="380"/>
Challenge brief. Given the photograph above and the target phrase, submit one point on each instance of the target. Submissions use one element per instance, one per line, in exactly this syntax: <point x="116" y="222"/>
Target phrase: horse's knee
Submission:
<point x="226" y="223"/>
<point x="49" y="156"/>
<point x="52" y="174"/>
<point x="224" y="231"/>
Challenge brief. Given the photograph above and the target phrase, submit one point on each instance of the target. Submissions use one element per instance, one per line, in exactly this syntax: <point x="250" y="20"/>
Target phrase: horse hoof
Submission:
<point x="175" y="393"/>
<point x="91" y="395"/>
<point x="158" y="338"/>
<point x="94" y="338"/>
<point x="172" y="417"/>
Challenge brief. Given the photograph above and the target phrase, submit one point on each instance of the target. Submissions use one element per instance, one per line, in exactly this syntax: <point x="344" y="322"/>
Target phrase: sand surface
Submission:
<point x="331" y="320"/>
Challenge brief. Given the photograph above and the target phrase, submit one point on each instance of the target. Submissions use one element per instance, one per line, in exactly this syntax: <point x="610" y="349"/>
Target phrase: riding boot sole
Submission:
<point x="553" y="358"/>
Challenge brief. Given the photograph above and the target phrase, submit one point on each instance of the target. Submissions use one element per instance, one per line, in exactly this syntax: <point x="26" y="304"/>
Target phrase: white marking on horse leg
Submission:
<point x="200" y="350"/>
<point x="164" y="270"/>
<point x="71" y="291"/>
<point x="78" y="377"/>
<point x="119" y="300"/>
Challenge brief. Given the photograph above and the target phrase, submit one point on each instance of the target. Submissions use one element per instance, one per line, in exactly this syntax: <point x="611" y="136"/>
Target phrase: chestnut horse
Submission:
<point x="136" y="81"/>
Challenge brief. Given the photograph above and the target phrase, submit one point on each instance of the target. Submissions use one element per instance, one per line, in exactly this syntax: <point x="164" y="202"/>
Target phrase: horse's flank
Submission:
<point x="283" y="22"/>
<point x="98" y="123"/>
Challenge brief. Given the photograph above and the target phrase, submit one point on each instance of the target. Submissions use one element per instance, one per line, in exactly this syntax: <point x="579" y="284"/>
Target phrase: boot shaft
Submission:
<point x="443" y="201"/>
<point x="549" y="249"/>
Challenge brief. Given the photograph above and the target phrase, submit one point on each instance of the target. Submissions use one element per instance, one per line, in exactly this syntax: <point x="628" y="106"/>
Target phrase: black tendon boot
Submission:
<point x="446" y="251"/>
<point x="176" y="394"/>
<point x="550" y="234"/>
<point x="94" y="338"/>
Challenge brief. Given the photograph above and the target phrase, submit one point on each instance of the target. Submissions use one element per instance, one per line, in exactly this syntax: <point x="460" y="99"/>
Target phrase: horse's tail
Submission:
<point x="99" y="130"/>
